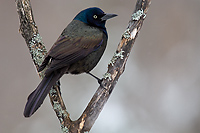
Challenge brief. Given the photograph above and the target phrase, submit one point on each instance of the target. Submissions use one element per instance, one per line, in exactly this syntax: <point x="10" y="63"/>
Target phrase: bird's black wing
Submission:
<point x="69" y="50"/>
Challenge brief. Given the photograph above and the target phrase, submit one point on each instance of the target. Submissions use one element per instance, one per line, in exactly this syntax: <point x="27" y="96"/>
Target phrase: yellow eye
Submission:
<point x="95" y="16"/>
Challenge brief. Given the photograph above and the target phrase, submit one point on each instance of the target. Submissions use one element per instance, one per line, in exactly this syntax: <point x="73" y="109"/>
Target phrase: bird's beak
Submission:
<point x="108" y="16"/>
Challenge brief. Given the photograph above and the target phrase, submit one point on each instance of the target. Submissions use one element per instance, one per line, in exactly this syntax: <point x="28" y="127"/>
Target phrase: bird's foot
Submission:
<point x="100" y="82"/>
<point x="98" y="79"/>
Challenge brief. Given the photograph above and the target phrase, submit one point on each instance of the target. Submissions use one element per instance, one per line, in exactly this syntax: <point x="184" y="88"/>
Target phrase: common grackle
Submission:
<point x="78" y="49"/>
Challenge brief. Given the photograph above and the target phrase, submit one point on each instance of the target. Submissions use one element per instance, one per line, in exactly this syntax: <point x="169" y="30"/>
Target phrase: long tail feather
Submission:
<point x="36" y="98"/>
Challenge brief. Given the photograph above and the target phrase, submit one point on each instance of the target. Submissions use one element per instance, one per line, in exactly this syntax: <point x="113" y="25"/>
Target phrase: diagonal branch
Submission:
<point x="29" y="31"/>
<point x="116" y="67"/>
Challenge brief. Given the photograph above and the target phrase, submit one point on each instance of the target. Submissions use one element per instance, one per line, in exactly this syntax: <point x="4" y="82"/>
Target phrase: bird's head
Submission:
<point x="94" y="16"/>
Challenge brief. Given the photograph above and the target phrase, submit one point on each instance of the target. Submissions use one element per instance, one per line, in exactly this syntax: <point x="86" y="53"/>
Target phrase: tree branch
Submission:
<point x="116" y="67"/>
<point x="29" y="31"/>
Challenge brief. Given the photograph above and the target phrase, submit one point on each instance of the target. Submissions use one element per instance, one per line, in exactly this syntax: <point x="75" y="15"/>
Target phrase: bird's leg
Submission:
<point x="98" y="79"/>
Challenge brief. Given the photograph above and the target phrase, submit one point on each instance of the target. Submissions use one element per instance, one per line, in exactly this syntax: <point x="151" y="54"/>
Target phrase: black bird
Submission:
<point x="78" y="49"/>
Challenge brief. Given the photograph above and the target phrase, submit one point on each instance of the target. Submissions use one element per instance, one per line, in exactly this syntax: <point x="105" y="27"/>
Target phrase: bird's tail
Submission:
<point x="36" y="98"/>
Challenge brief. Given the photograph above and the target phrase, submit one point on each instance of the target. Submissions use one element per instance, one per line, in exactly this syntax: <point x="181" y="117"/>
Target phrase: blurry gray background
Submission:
<point x="159" y="91"/>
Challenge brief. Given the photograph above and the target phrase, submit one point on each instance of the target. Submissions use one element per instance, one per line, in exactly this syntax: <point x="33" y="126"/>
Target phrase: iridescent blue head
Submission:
<point x="95" y="17"/>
